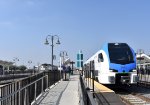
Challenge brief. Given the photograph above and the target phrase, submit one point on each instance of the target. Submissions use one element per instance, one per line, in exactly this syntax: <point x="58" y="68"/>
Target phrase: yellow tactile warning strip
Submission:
<point x="104" y="95"/>
<point x="100" y="87"/>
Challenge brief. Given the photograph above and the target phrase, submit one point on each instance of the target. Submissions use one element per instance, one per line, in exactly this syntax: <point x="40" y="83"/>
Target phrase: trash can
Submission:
<point x="71" y="72"/>
<point x="66" y="76"/>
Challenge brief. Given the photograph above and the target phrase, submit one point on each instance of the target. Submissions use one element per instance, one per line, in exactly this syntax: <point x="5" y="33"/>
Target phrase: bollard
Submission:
<point x="93" y="76"/>
<point x="88" y="78"/>
<point x="35" y="88"/>
<point x="65" y="75"/>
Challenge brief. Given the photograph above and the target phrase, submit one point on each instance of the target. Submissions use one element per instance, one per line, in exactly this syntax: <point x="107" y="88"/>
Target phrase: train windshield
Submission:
<point x="120" y="53"/>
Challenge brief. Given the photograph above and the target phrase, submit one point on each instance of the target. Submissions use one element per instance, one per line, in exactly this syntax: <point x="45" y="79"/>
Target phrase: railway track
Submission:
<point x="130" y="99"/>
<point x="130" y="95"/>
<point x="133" y="95"/>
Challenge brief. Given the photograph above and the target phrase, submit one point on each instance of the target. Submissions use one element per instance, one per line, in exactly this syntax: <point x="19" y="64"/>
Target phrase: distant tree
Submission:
<point x="22" y="67"/>
<point x="12" y="67"/>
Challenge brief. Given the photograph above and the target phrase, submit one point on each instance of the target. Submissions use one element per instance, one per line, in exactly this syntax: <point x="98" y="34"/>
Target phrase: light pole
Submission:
<point x="62" y="56"/>
<point x="62" y="59"/>
<point x="140" y="52"/>
<point x="52" y="37"/>
<point x="29" y="62"/>
<point x="15" y="60"/>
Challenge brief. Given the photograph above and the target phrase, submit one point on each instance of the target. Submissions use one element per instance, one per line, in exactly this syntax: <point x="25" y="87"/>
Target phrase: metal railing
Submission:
<point x="87" y="78"/>
<point x="25" y="91"/>
<point x="144" y="76"/>
<point x="87" y="96"/>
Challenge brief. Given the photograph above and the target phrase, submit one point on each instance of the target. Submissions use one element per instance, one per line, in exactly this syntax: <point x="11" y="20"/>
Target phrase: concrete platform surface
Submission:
<point x="64" y="93"/>
<point x="70" y="95"/>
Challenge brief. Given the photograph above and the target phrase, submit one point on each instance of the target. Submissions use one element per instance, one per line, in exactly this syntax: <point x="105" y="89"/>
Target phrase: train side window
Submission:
<point x="100" y="57"/>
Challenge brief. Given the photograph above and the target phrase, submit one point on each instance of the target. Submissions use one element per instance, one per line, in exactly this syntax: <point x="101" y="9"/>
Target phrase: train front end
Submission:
<point x="122" y="63"/>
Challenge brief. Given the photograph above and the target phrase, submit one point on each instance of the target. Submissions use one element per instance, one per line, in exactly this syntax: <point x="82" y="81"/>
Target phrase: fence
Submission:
<point x="87" y="84"/>
<point x="87" y="96"/>
<point x="30" y="71"/>
<point x="25" y="91"/>
<point x="144" y="76"/>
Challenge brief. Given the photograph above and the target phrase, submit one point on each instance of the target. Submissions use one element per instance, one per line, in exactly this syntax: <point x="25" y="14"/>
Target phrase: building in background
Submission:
<point x="5" y="66"/>
<point x="143" y="61"/>
<point x="46" y="66"/>
<point x="79" y="60"/>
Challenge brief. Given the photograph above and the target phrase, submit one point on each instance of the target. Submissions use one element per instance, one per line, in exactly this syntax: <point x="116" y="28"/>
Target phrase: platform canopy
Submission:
<point x="143" y="58"/>
<point x="6" y="63"/>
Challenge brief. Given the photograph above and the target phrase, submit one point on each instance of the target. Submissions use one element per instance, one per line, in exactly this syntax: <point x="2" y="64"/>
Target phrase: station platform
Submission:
<point x="63" y="93"/>
<point x="104" y="95"/>
<point x="68" y="93"/>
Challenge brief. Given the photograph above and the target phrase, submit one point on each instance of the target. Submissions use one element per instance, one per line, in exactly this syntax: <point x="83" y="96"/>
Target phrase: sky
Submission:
<point x="80" y="24"/>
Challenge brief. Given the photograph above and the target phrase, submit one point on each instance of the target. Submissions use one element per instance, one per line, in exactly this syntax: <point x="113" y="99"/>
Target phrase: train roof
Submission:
<point x="104" y="46"/>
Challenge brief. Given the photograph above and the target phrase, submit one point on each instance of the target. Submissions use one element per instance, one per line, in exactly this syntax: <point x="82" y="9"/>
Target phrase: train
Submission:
<point x="115" y="63"/>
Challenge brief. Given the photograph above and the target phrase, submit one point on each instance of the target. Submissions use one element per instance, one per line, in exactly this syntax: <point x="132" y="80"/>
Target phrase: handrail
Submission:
<point x="91" y="97"/>
<point x="87" y="95"/>
<point x="22" y="79"/>
<point x="3" y="98"/>
<point x="27" y="90"/>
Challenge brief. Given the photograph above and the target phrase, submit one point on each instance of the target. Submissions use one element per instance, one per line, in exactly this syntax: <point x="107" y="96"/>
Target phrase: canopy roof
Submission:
<point x="6" y="63"/>
<point x="143" y="58"/>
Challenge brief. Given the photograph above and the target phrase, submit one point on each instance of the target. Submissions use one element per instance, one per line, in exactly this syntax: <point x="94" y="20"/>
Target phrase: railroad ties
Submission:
<point x="133" y="100"/>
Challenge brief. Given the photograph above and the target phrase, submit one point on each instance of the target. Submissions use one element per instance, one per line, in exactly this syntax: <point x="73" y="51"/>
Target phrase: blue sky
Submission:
<point x="81" y="25"/>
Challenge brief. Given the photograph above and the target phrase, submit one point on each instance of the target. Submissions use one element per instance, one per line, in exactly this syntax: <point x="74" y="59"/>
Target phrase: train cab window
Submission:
<point x="120" y="53"/>
<point x="100" y="57"/>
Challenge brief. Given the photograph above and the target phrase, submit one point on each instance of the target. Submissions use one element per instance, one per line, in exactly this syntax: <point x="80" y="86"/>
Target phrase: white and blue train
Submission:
<point x="115" y="63"/>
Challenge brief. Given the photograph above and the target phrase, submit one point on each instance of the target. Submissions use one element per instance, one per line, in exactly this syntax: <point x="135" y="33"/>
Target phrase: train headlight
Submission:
<point x="132" y="70"/>
<point x="113" y="70"/>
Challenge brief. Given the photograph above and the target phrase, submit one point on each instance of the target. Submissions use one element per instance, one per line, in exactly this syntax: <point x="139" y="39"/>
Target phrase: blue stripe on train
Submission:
<point x="122" y="68"/>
